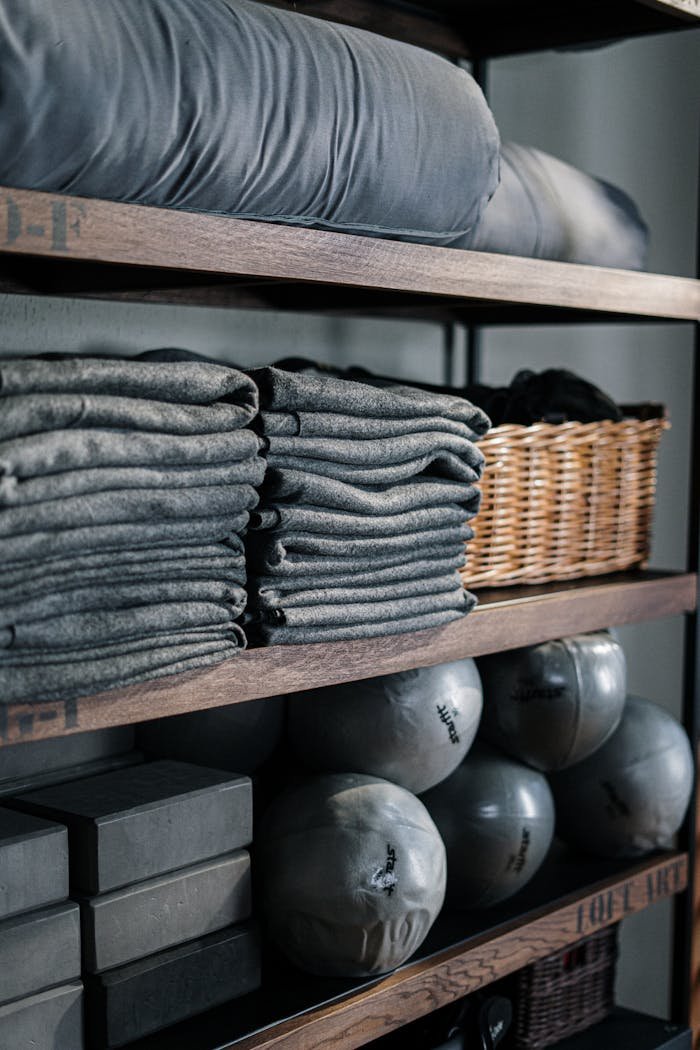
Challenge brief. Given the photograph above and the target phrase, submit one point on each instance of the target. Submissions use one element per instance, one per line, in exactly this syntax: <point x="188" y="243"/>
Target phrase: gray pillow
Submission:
<point x="548" y="209"/>
<point x="235" y="107"/>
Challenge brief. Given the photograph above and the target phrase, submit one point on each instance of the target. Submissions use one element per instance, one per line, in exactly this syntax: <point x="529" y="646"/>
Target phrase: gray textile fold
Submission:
<point x="129" y="596"/>
<point x="63" y="681"/>
<point x="184" y="382"/>
<point x="269" y="599"/>
<point x="34" y="546"/>
<point x="200" y="636"/>
<point x="380" y="452"/>
<point x="33" y="413"/>
<point x="303" y="487"/>
<point x="322" y="574"/>
<point x="316" y="520"/>
<point x="438" y="463"/>
<point x="56" y="451"/>
<point x="340" y="425"/>
<point x="354" y="632"/>
<point x="128" y="506"/>
<point x="373" y="397"/>
<point x="20" y="492"/>
<point x="367" y="612"/>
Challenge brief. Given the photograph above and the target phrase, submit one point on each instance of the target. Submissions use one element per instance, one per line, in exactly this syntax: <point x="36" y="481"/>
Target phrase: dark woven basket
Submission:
<point x="565" y="992"/>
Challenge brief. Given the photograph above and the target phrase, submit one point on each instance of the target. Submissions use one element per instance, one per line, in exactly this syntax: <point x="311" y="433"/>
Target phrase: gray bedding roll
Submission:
<point x="240" y="108"/>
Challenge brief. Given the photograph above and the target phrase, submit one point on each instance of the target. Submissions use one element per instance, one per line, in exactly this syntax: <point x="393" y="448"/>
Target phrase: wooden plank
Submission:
<point x="506" y="618"/>
<point x="43" y="224"/>
<point x="422" y="987"/>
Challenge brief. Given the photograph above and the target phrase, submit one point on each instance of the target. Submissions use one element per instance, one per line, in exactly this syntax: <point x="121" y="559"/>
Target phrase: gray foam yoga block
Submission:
<point x="139" y="920"/>
<point x="33" y="862"/>
<point x="131" y="1001"/>
<point x="51" y="1020"/>
<point x="22" y="784"/>
<point x="23" y="761"/>
<point x="127" y="826"/>
<point x="39" y="949"/>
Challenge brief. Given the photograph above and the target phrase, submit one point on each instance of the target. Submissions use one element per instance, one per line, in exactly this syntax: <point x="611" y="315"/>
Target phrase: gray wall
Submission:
<point x="626" y="112"/>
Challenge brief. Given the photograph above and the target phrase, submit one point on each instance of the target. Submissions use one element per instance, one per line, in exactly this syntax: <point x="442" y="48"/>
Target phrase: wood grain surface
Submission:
<point x="43" y="224"/>
<point x="505" y="619"/>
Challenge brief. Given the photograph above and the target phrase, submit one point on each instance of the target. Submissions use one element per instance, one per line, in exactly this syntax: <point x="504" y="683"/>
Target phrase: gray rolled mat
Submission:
<point x="33" y="413"/>
<point x="227" y="570"/>
<point x="366" y="452"/>
<point x="329" y="575"/>
<point x="374" y="397"/>
<point x="303" y="487"/>
<point x="56" y="451"/>
<point x="64" y="681"/>
<point x="277" y="554"/>
<point x="350" y="632"/>
<point x="18" y="492"/>
<point x="341" y="425"/>
<point x="197" y="636"/>
<point x="331" y="523"/>
<point x="437" y="463"/>
<point x="127" y="506"/>
<point x="36" y="546"/>
<point x="185" y="382"/>
<point x="364" y="612"/>
<point x="269" y="600"/>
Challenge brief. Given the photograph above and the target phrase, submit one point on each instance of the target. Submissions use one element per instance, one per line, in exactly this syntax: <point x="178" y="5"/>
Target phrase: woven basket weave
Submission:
<point x="565" y="500"/>
<point x="566" y="992"/>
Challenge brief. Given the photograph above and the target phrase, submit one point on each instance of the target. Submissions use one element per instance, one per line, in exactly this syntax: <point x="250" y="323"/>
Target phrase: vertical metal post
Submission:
<point x="448" y="353"/>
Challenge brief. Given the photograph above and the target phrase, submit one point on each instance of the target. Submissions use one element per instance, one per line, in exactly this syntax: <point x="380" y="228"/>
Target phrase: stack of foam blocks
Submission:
<point x="162" y="881"/>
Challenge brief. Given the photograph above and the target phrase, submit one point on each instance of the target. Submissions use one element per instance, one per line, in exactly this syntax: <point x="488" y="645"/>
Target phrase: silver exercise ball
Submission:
<point x="239" y="737"/>
<point x="631" y="795"/>
<point x="412" y="728"/>
<point x="553" y="704"/>
<point x="496" y="818"/>
<point x="352" y="871"/>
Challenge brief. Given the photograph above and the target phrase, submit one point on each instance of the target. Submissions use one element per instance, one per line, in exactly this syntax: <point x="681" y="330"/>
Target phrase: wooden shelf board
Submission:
<point x="51" y="227"/>
<point x="569" y="898"/>
<point x="505" y="619"/>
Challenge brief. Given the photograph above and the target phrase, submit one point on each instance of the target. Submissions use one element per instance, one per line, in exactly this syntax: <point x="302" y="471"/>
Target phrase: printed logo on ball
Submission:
<point x="449" y="720"/>
<point x="384" y="878"/>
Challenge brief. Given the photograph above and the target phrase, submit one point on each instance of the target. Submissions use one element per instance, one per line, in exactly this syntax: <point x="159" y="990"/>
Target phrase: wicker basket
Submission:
<point x="565" y="500"/>
<point x="565" y="992"/>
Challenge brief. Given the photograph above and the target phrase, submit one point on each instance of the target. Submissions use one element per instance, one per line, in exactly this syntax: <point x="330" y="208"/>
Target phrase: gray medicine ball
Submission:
<point x="553" y="704"/>
<point x="412" y="728"/>
<point x="496" y="818"/>
<point x="353" y="874"/>
<point x="631" y="795"/>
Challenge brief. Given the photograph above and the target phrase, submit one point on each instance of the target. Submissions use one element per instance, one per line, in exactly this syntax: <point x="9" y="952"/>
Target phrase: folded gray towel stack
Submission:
<point x="364" y="510"/>
<point x="125" y="488"/>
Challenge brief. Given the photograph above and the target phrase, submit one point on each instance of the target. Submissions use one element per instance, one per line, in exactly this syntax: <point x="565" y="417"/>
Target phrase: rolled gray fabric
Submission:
<point x="379" y="452"/>
<point x="20" y="492"/>
<point x="312" y="635"/>
<point x="129" y="506"/>
<point x="116" y="595"/>
<point x="325" y="574"/>
<point x="320" y="491"/>
<point x="366" y="612"/>
<point x="54" y="452"/>
<point x="316" y="520"/>
<point x="184" y="382"/>
<point x="33" y="546"/>
<point x="340" y="425"/>
<point x="26" y="414"/>
<point x="269" y="600"/>
<point x="374" y="397"/>
<point x="437" y="464"/>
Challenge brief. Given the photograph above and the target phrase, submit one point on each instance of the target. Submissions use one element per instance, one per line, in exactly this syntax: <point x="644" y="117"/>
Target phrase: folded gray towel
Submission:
<point x="35" y="546"/>
<point x="299" y="486"/>
<point x="373" y="397"/>
<point x="366" y="612"/>
<point x="327" y="574"/>
<point x="225" y="632"/>
<point x="437" y="464"/>
<point x="56" y="451"/>
<point x="132" y="506"/>
<point x="341" y="425"/>
<point x="19" y="492"/>
<point x="316" y="520"/>
<point x="380" y="452"/>
<point x="268" y="635"/>
<point x="184" y="382"/>
<point x="269" y="599"/>
<point x="33" y="413"/>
